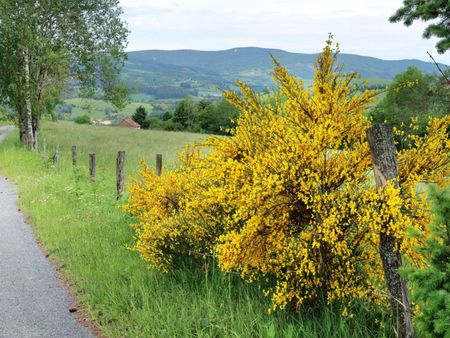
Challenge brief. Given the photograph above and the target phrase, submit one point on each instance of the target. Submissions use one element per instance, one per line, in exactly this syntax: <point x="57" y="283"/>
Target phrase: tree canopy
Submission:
<point x="429" y="96"/>
<point x="140" y="116"/>
<point x="45" y="43"/>
<point x="426" y="10"/>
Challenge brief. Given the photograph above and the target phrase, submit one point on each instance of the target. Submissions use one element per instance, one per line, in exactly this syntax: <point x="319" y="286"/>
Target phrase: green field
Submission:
<point x="106" y="141"/>
<point x="97" y="108"/>
<point x="81" y="225"/>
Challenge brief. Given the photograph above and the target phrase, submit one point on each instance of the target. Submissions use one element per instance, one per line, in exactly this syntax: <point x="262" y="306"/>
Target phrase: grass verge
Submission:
<point x="82" y="228"/>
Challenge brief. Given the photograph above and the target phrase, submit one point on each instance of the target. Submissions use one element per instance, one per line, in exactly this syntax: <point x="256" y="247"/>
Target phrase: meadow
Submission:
<point x="97" y="108"/>
<point x="81" y="225"/>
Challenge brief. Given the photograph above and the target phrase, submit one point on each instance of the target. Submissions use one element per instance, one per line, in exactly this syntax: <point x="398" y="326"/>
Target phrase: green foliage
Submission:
<point x="117" y="92"/>
<point x="216" y="118"/>
<point x="140" y="116"/>
<point x="6" y="116"/>
<point x="154" y="123"/>
<point x="82" y="40"/>
<point x="430" y="96"/>
<point x="431" y="285"/>
<point x="213" y="117"/>
<point x="171" y="125"/>
<point x="166" y="116"/>
<point x="426" y="10"/>
<point x="118" y="292"/>
<point x="185" y="113"/>
<point x="83" y="119"/>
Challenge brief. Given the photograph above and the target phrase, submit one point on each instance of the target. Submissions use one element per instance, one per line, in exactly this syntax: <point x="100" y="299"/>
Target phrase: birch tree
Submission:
<point x="45" y="44"/>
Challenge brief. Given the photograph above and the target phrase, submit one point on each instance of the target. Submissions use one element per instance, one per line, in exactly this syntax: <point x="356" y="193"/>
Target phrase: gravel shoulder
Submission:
<point x="33" y="301"/>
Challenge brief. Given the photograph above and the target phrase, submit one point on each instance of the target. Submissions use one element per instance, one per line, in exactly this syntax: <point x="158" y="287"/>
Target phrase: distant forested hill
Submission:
<point x="175" y="74"/>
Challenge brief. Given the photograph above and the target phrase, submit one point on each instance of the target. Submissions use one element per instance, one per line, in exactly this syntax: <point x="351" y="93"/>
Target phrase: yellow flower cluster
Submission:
<point x="290" y="198"/>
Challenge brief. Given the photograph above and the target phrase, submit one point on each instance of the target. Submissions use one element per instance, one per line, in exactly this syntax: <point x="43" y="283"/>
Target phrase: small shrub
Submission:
<point x="170" y="125"/>
<point x="154" y="123"/>
<point x="82" y="119"/>
<point x="166" y="116"/>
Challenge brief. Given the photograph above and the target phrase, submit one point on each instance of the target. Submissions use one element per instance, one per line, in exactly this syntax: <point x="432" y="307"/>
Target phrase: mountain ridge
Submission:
<point x="157" y="72"/>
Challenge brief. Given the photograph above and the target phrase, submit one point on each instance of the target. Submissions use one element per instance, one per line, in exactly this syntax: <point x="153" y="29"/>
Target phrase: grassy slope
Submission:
<point x="97" y="107"/>
<point x="82" y="227"/>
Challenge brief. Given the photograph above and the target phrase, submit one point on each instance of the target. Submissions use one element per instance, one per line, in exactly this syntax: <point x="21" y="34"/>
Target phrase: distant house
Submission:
<point x="102" y="122"/>
<point x="129" y="123"/>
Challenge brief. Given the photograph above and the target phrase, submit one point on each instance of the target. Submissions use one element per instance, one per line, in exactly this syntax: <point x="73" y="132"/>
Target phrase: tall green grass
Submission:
<point x="105" y="142"/>
<point x="82" y="227"/>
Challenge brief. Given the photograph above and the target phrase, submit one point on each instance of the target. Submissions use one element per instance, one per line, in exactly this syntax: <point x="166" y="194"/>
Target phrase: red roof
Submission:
<point x="129" y="123"/>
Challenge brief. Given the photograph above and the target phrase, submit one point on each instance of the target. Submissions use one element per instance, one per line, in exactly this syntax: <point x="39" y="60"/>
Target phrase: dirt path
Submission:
<point x="33" y="302"/>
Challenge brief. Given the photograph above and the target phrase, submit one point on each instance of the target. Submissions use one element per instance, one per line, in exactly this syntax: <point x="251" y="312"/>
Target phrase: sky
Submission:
<point x="360" y="26"/>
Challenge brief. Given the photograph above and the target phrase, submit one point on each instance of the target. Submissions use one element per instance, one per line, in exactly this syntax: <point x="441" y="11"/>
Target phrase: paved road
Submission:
<point x="33" y="302"/>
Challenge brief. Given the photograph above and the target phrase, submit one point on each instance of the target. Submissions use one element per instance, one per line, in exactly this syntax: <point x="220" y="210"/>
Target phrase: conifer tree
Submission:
<point x="428" y="10"/>
<point x="140" y="116"/>
<point x="431" y="286"/>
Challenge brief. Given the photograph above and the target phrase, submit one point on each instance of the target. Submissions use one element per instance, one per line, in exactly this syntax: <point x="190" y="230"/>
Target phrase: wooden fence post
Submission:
<point x="384" y="162"/>
<point x="120" y="175"/>
<point x="44" y="149"/>
<point x="74" y="156"/>
<point x="56" y="157"/>
<point x="92" y="166"/>
<point x="158" y="164"/>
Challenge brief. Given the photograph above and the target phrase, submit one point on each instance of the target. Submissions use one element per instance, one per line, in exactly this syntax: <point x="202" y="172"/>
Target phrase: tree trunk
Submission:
<point x="22" y="124"/>
<point x="384" y="161"/>
<point x="36" y="129"/>
<point x="26" y="124"/>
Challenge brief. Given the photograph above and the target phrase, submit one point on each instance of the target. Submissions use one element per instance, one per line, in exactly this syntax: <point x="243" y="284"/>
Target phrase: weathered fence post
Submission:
<point x="56" y="157"/>
<point x="120" y="175"/>
<point x="384" y="162"/>
<point x="74" y="156"/>
<point x="158" y="164"/>
<point x="44" y="149"/>
<point x="92" y="166"/>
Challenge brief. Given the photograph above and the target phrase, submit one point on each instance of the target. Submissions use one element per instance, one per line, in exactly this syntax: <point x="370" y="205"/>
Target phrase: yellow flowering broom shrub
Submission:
<point x="289" y="197"/>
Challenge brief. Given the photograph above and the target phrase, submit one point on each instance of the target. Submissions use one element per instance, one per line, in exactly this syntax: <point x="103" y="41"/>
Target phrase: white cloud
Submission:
<point x="361" y="27"/>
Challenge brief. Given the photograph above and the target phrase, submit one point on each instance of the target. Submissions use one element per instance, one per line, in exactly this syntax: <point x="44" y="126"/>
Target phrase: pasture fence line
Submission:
<point x="92" y="164"/>
<point x="385" y="168"/>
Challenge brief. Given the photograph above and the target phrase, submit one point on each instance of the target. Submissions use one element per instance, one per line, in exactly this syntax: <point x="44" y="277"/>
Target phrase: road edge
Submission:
<point x="81" y="315"/>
